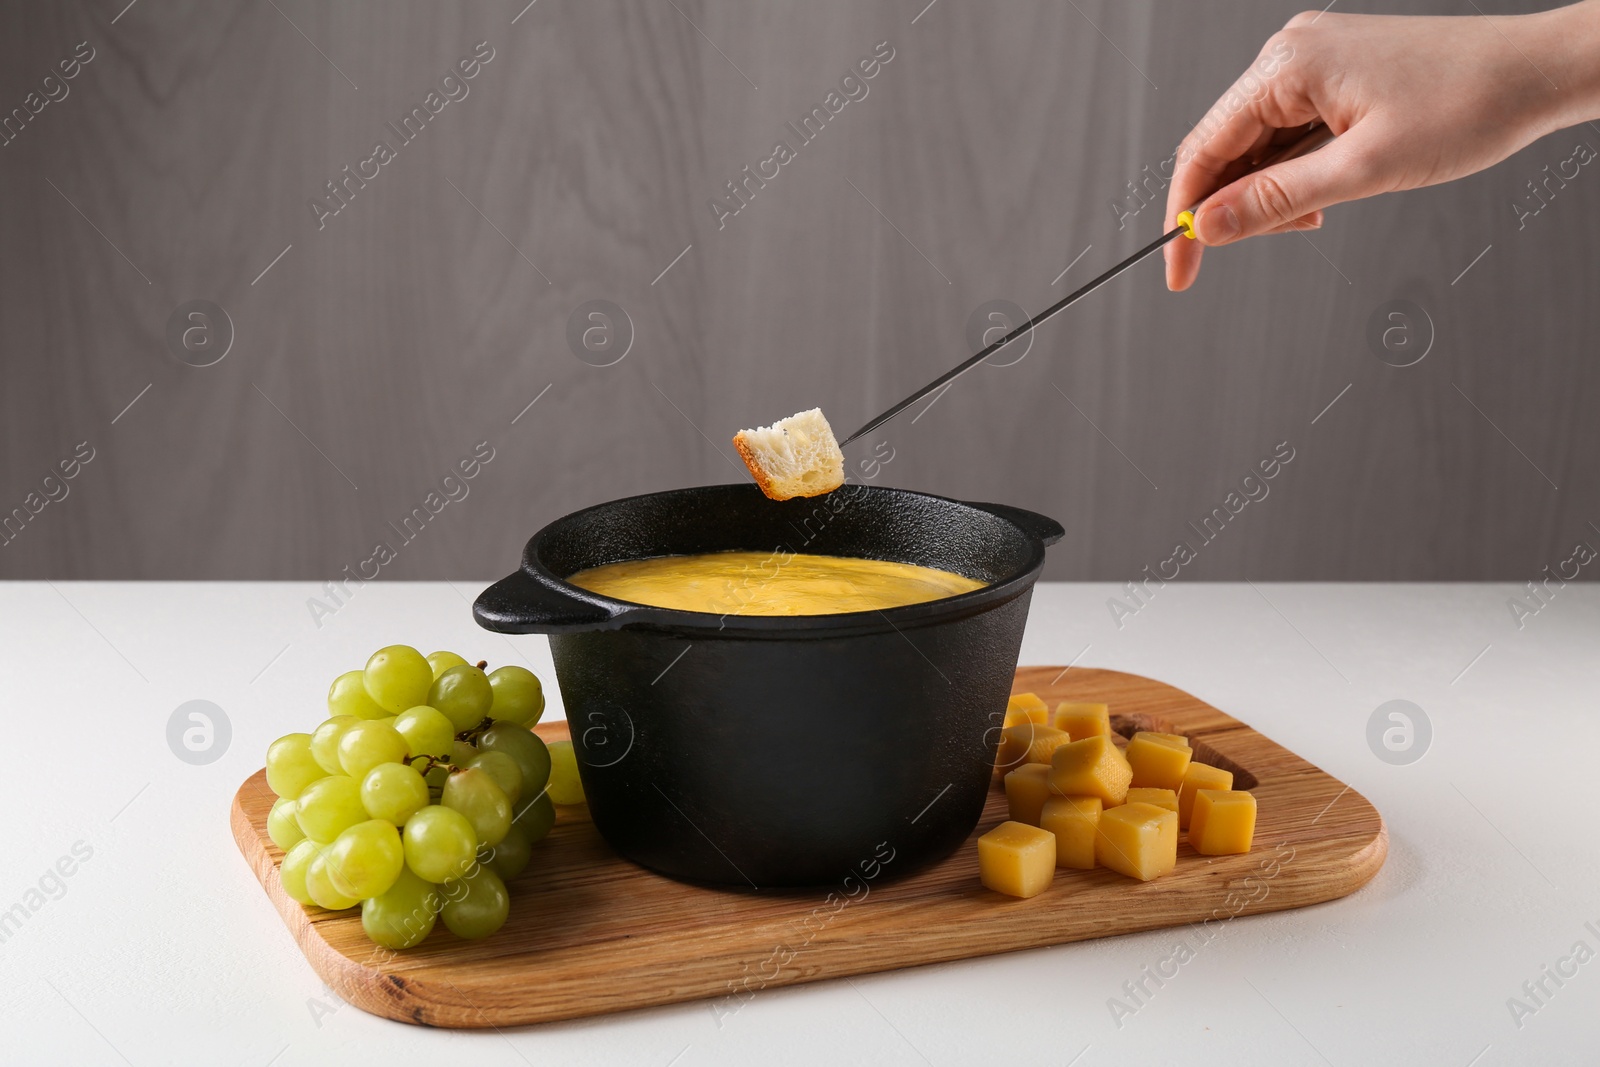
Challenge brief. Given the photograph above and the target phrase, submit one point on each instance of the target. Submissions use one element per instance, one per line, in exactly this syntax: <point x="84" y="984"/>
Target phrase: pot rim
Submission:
<point x="585" y="610"/>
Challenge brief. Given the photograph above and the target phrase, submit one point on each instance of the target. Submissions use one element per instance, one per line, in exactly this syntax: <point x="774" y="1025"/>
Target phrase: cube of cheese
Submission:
<point x="1157" y="764"/>
<point x="1138" y="840"/>
<point x="1027" y="789"/>
<point x="1093" y="767"/>
<point x="1046" y="739"/>
<point x="1175" y="740"/>
<point x="1073" y="821"/>
<point x="1028" y="743"/>
<point x="1223" y="822"/>
<point x="1026" y="707"/>
<point x="1016" y="859"/>
<point x="1199" y="776"/>
<point x="1161" y="798"/>
<point x="1014" y="744"/>
<point x="1083" y="720"/>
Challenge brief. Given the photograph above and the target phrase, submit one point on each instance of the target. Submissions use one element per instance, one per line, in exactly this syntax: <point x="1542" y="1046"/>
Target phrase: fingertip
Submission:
<point x="1217" y="224"/>
<point x="1183" y="263"/>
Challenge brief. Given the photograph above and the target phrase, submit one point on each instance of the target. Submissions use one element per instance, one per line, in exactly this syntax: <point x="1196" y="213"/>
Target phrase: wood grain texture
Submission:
<point x="590" y="933"/>
<point x="426" y="315"/>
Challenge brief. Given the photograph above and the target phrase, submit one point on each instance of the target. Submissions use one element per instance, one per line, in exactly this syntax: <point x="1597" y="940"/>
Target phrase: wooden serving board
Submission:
<point x="591" y="933"/>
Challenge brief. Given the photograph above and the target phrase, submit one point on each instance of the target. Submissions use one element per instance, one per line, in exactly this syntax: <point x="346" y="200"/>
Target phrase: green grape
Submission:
<point x="290" y="767"/>
<point x="439" y="843"/>
<point x="325" y="742"/>
<point x="292" y="872"/>
<point x="474" y="794"/>
<point x="436" y="777"/>
<point x="348" y="696"/>
<point x="510" y="857"/>
<point x="462" y="693"/>
<point x="320" y="887"/>
<point x="404" y="915"/>
<point x="365" y="860"/>
<point x="462" y="753"/>
<point x="428" y="731"/>
<point x="518" y="696"/>
<point x="329" y="807"/>
<point x="397" y="678"/>
<point x="524" y="746"/>
<point x="369" y="743"/>
<point x="443" y="661"/>
<point x="534" y="819"/>
<point x="281" y="825"/>
<point x="477" y="906"/>
<point x="565" y="786"/>
<point x="503" y="769"/>
<point x="393" y="792"/>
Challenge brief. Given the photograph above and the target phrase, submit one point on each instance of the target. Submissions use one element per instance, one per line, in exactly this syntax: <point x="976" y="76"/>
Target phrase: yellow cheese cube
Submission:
<point x="1016" y="859"/>
<point x="1082" y="720"/>
<point x="1161" y="798"/>
<point x="1027" y="789"/>
<point x="1014" y="744"/>
<point x="1138" y="840"/>
<point x="1020" y="717"/>
<point x="1073" y="821"/>
<point x="1028" y="743"/>
<point x="1175" y="740"/>
<point x="1046" y="739"/>
<point x="1199" y="776"/>
<point x="1026" y="707"/>
<point x="1157" y="764"/>
<point x="1223" y="822"/>
<point x="1093" y="767"/>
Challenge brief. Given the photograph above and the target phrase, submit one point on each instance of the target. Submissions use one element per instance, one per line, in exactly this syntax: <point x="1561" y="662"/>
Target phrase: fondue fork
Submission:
<point x="1318" y="136"/>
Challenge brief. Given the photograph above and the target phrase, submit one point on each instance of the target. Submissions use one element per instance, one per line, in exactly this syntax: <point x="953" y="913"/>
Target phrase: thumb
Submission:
<point x="1272" y="198"/>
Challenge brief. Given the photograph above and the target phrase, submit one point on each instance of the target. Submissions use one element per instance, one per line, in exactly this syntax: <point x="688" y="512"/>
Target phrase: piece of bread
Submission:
<point x="797" y="456"/>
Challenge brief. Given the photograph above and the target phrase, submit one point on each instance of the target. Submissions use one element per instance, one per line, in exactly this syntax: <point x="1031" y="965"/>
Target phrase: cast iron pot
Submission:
<point x="762" y="751"/>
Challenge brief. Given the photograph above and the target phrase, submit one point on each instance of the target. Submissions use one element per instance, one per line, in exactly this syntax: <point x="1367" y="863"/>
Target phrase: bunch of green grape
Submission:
<point x="420" y="797"/>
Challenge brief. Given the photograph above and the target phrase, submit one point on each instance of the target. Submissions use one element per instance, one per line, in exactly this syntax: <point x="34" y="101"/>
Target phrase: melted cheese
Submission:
<point x="770" y="583"/>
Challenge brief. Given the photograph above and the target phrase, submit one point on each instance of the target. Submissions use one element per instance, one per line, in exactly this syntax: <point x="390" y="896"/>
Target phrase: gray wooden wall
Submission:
<point x="388" y="340"/>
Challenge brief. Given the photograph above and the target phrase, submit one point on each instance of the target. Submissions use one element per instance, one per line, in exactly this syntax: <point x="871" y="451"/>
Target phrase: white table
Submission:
<point x="160" y="947"/>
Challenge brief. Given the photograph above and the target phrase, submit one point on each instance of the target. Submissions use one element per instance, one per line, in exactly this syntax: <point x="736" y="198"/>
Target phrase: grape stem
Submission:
<point x="429" y="763"/>
<point x="483" y="664"/>
<point x="471" y="736"/>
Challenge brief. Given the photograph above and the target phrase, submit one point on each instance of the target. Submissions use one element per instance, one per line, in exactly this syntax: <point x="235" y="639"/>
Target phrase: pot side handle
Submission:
<point x="1032" y="523"/>
<point x="521" y="603"/>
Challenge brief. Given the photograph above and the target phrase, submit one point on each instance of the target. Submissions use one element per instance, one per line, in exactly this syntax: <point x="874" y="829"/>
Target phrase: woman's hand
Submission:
<point x="1414" y="101"/>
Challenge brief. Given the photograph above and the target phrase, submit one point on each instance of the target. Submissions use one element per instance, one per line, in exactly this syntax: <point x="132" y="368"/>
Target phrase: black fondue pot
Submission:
<point x="765" y="751"/>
